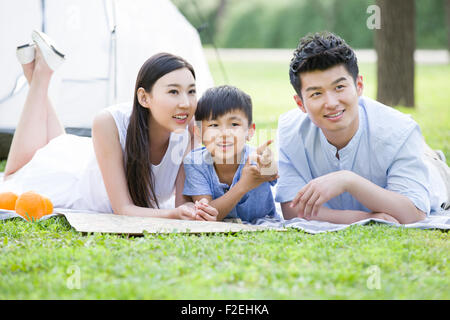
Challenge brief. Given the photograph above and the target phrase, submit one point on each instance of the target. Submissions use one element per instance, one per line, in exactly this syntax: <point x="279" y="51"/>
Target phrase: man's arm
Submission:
<point x="334" y="216"/>
<point x="310" y="198"/>
<point x="379" y="199"/>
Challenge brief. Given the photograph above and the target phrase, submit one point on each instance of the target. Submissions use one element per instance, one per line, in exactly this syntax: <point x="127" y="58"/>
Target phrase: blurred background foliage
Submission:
<point x="280" y="23"/>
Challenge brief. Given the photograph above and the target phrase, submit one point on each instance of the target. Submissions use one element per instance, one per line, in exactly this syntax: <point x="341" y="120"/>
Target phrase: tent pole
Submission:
<point x="205" y="26"/>
<point x="43" y="15"/>
<point x="110" y="13"/>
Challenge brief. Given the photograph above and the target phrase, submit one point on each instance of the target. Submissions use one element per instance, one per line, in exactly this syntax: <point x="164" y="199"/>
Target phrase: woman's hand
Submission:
<point x="186" y="211"/>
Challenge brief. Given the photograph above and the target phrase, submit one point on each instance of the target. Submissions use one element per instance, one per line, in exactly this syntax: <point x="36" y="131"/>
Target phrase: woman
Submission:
<point x="132" y="164"/>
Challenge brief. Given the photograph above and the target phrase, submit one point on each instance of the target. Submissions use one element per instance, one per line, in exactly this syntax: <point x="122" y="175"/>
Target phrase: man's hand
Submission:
<point x="319" y="191"/>
<point x="205" y="212"/>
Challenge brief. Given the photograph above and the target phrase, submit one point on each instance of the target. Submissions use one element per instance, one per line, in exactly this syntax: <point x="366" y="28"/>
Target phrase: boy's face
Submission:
<point x="330" y="98"/>
<point x="225" y="136"/>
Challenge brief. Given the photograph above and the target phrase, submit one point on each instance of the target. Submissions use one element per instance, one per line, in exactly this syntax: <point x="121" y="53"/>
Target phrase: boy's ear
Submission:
<point x="251" y="131"/>
<point x="198" y="131"/>
<point x="143" y="98"/>
<point x="299" y="103"/>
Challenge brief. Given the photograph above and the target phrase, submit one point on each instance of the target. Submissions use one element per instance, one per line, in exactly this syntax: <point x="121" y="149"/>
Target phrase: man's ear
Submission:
<point x="359" y="86"/>
<point x="143" y="98"/>
<point x="251" y="131"/>
<point x="299" y="103"/>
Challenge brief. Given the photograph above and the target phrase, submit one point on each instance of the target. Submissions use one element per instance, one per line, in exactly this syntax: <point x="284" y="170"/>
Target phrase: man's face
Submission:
<point x="225" y="136"/>
<point x="330" y="98"/>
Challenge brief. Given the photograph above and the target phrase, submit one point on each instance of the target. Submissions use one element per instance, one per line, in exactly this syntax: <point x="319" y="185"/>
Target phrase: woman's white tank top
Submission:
<point x="165" y="173"/>
<point x="66" y="170"/>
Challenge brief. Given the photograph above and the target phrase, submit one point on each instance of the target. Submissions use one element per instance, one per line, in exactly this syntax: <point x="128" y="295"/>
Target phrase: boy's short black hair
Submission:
<point x="321" y="51"/>
<point x="217" y="101"/>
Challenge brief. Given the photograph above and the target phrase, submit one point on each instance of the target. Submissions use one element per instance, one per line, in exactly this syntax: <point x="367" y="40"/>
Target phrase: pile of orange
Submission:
<point x="30" y="205"/>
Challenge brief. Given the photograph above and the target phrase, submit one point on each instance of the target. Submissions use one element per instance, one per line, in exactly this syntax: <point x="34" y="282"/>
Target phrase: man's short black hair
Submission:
<point x="217" y="101"/>
<point x="321" y="51"/>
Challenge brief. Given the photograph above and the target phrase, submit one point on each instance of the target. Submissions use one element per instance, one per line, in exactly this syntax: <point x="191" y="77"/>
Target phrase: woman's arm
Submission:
<point x="181" y="176"/>
<point x="179" y="185"/>
<point x="109" y="156"/>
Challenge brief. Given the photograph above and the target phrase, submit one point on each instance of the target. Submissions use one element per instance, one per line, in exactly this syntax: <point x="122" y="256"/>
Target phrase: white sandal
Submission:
<point x="52" y="56"/>
<point x="26" y="53"/>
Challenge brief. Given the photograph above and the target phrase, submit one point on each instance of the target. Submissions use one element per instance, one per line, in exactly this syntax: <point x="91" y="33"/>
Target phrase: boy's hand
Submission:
<point x="251" y="176"/>
<point x="319" y="191"/>
<point x="205" y="212"/>
<point x="265" y="159"/>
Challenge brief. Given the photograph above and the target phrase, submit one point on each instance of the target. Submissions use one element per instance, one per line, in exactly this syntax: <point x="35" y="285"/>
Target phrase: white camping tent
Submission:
<point x="105" y="42"/>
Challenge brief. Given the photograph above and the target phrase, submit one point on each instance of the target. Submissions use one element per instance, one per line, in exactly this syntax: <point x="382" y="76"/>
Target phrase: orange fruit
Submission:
<point x="48" y="205"/>
<point x="8" y="200"/>
<point x="32" y="205"/>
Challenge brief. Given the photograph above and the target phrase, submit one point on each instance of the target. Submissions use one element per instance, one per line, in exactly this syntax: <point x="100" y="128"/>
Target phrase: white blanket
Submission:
<point x="441" y="221"/>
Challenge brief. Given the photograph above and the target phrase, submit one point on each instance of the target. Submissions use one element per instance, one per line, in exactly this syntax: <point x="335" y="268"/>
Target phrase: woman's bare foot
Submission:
<point x="41" y="70"/>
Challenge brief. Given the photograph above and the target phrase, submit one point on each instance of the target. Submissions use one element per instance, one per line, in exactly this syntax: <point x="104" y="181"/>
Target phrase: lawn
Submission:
<point x="49" y="260"/>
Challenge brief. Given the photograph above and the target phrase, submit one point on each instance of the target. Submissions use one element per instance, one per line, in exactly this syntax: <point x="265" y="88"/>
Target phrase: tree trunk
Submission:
<point x="395" y="45"/>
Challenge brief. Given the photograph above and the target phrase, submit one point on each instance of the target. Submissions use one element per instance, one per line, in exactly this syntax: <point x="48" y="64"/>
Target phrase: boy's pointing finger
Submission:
<point x="262" y="147"/>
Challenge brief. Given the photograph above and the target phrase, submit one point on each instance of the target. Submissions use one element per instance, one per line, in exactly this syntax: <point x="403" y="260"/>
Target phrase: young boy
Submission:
<point x="222" y="174"/>
<point x="344" y="157"/>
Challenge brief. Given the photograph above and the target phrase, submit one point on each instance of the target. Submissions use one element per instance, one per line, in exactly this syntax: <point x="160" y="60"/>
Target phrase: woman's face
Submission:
<point x="172" y="100"/>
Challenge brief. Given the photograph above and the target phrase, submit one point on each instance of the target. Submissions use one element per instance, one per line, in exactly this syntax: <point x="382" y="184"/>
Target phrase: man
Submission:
<point x="344" y="157"/>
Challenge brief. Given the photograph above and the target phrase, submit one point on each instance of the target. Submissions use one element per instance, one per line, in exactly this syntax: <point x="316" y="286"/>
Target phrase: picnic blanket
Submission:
<point x="85" y="221"/>
<point x="90" y="222"/>
<point x="441" y="221"/>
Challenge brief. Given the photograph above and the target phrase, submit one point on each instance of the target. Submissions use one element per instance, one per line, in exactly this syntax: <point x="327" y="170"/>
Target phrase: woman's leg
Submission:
<point x="54" y="125"/>
<point x="38" y="122"/>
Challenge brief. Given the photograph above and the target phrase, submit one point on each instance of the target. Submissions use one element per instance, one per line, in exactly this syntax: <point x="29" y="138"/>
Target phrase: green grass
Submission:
<point x="44" y="260"/>
<point x="50" y="260"/>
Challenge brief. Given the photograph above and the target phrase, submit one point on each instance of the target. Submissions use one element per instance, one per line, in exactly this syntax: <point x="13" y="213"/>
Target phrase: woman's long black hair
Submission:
<point x="140" y="179"/>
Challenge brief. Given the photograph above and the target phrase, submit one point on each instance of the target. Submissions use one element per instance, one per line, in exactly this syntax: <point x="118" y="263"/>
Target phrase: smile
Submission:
<point x="225" y="145"/>
<point x="334" y="115"/>
<point x="180" y="117"/>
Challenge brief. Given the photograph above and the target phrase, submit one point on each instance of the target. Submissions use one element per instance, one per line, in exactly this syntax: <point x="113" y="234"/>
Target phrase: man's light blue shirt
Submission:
<point x="202" y="179"/>
<point x="387" y="149"/>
